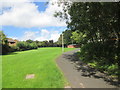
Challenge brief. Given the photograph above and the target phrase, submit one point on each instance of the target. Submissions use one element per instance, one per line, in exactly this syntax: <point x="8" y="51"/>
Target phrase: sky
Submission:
<point x="25" y="20"/>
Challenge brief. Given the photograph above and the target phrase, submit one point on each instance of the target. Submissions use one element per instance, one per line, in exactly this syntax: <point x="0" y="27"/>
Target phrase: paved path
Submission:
<point x="74" y="77"/>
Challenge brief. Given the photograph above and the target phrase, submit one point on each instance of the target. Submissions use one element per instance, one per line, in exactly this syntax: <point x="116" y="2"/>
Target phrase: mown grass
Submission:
<point x="40" y="62"/>
<point x="0" y="72"/>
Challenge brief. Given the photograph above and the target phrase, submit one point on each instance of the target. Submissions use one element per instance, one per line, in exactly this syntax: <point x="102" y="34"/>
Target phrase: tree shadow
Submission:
<point x="11" y="53"/>
<point x="88" y="71"/>
<point x="71" y="57"/>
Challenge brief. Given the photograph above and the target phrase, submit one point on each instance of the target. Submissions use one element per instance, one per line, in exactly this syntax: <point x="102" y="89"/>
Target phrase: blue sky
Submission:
<point x="41" y="5"/>
<point x="31" y="21"/>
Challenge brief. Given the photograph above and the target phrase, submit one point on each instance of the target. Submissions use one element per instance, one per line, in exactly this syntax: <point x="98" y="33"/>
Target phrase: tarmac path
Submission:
<point x="67" y="61"/>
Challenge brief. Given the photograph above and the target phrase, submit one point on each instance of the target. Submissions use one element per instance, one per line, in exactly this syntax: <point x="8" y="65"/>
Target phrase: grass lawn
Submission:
<point x="40" y="62"/>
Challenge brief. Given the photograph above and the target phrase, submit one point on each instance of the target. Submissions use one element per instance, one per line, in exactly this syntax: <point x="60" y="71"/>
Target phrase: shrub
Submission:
<point x="33" y="46"/>
<point x="26" y="46"/>
<point x="5" y="49"/>
<point x="100" y="55"/>
<point x="14" y="48"/>
<point x="113" y="69"/>
<point x="22" y="46"/>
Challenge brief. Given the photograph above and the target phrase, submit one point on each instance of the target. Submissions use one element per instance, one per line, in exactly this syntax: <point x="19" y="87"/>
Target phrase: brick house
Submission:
<point x="73" y="46"/>
<point x="12" y="42"/>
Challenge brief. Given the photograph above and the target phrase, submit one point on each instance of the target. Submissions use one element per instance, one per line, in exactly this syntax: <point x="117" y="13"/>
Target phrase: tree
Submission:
<point x="29" y="41"/>
<point x="3" y="43"/>
<point x="93" y="18"/>
<point x="22" y="45"/>
<point x="79" y="38"/>
<point x="59" y="42"/>
<point x="99" y="22"/>
<point x="67" y="37"/>
<point x="51" y="43"/>
<point x="44" y="43"/>
<point x="3" y="38"/>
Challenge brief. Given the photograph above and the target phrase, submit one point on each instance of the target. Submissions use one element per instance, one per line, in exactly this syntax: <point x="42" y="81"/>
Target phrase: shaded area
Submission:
<point x="81" y="75"/>
<point x="12" y="53"/>
<point x="88" y="71"/>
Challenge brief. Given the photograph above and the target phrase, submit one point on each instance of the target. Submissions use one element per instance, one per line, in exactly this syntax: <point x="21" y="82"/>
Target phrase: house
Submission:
<point x="73" y="46"/>
<point x="12" y="42"/>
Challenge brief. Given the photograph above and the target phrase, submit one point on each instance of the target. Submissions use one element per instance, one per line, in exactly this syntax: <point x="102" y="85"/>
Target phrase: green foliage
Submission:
<point x="26" y="46"/>
<point x="100" y="56"/>
<point x="33" y="46"/>
<point x="98" y="50"/>
<point x="113" y="69"/>
<point x="29" y="41"/>
<point x="92" y="64"/>
<point x="22" y="46"/>
<point x="5" y="49"/>
<point x="51" y="43"/>
<point x="44" y="43"/>
<point x="67" y="37"/>
<point x="98" y="21"/>
<point x="3" y="38"/>
<point x="30" y="44"/>
<point x="14" y="48"/>
<point x="60" y="40"/>
<point x="78" y="37"/>
<point x="3" y="43"/>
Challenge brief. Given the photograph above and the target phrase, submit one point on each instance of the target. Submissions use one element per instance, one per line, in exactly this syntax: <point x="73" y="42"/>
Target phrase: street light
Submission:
<point x="62" y="44"/>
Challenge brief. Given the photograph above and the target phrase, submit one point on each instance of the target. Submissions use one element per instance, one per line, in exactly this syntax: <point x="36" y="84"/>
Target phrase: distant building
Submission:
<point x="73" y="46"/>
<point x="12" y="42"/>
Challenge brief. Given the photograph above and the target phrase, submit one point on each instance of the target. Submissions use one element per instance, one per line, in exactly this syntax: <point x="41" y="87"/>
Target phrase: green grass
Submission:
<point x="0" y="72"/>
<point x="40" y="62"/>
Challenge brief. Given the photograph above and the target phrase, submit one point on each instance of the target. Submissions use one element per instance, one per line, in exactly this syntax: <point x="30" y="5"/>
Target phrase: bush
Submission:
<point x="100" y="55"/>
<point x="14" y="48"/>
<point x="33" y="46"/>
<point x="22" y="46"/>
<point x="113" y="69"/>
<point x="5" y="49"/>
<point x="100" y="52"/>
<point x="26" y="46"/>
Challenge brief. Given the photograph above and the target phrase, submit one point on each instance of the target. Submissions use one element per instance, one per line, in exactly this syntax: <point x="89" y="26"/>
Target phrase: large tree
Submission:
<point x="99" y="22"/>
<point x="66" y="38"/>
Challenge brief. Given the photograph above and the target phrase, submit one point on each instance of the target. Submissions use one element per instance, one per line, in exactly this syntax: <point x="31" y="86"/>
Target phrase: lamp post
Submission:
<point x="62" y="44"/>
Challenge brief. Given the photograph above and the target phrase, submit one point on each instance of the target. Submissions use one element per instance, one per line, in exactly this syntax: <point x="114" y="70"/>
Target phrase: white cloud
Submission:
<point x="55" y="35"/>
<point x="40" y="36"/>
<point x="48" y="35"/>
<point x="43" y="35"/>
<point x="28" y="35"/>
<point x="14" y="37"/>
<point x="26" y="14"/>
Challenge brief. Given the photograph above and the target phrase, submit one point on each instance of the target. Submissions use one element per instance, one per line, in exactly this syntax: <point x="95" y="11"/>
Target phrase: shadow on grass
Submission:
<point x="88" y="71"/>
<point x="11" y="53"/>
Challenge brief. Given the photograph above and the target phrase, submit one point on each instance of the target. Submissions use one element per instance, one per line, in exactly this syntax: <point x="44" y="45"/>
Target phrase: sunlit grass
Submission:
<point x="40" y="62"/>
